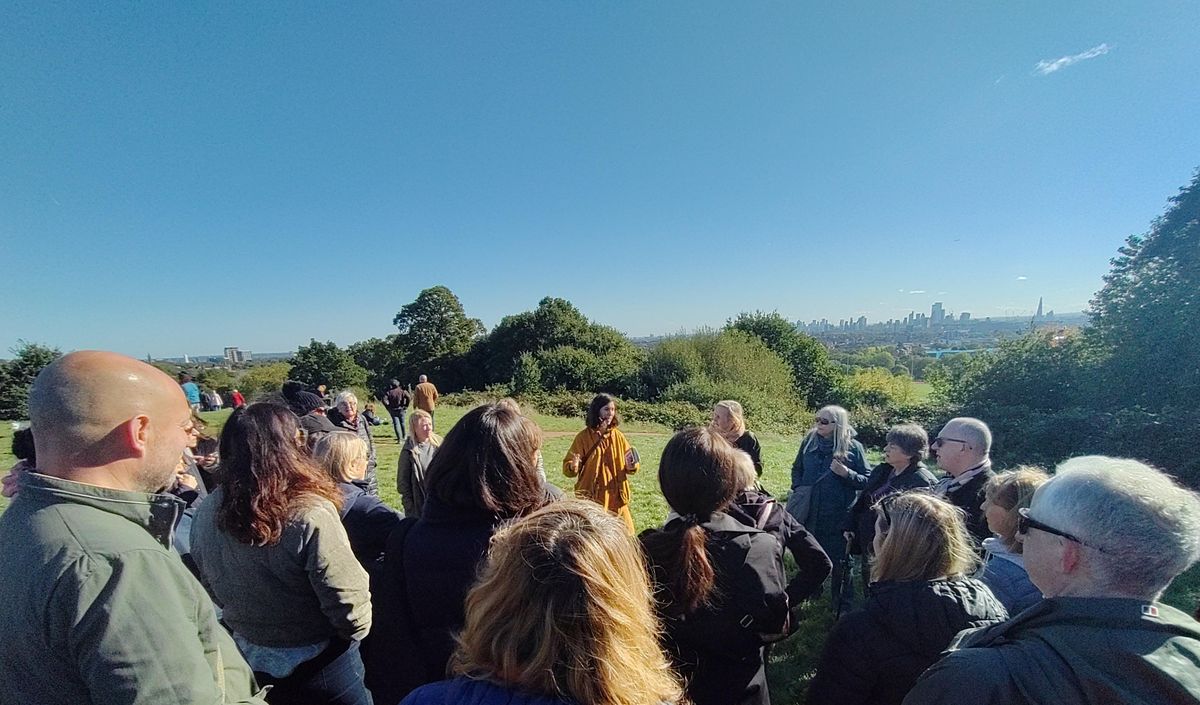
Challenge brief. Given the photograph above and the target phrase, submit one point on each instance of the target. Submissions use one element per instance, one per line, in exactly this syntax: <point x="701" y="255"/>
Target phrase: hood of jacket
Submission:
<point x="926" y="615"/>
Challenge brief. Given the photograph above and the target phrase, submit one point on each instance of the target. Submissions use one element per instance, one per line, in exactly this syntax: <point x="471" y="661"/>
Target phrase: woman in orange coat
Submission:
<point x="602" y="460"/>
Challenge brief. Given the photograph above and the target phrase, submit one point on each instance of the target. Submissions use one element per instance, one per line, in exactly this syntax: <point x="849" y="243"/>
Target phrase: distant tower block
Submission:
<point x="1039" y="313"/>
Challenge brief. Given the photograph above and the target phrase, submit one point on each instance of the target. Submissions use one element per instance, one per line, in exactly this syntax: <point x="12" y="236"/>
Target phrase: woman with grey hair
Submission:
<point x="345" y="416"/>
<point x="903" y="468"/>
<point x="830" y="469"/>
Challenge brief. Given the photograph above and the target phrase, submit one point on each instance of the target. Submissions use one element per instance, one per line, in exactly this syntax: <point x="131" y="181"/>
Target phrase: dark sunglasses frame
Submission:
<point x="940" y="441"/>
<point x="1026" y="522"/>
<point x="825" y="422"/>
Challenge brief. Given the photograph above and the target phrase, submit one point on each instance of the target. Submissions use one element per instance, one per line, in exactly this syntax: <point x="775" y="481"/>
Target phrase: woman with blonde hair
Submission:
<point x="1004" y="565"/>
<point x="367" y="519"/>
<point x="561" y="588"/>
<point x="830" y="469"/>
<point x="729" y="420"/>
<point x="920" y="598"/>
<point x="415" y="456"/>
<point x="719" y="583"/>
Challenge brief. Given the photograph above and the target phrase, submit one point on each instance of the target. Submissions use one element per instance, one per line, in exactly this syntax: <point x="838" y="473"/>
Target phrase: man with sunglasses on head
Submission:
<point x="962" y="449"/>
<point x="1103" y="538"/>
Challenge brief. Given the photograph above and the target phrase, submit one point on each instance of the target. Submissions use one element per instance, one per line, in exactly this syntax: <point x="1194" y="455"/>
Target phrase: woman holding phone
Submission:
<point x="601" y="460"/>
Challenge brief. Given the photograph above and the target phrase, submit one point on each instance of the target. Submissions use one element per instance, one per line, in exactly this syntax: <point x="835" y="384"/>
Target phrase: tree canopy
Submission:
<point x="325" y="363"/>
<point x="17" y="375"/>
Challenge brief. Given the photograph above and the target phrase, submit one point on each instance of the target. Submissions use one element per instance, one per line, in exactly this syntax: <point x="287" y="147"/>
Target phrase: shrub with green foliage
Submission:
<point x="325" y="363"/>
<point x="17" y="375"/>
<point x="261" y="380"/>
<point x="817" y="380"/>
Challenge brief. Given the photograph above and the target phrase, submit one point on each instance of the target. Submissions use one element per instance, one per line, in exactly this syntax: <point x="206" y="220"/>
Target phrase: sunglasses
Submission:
<point x="941" y="441"/>
<point x="1026" y="522"/>
<point x="824" y="422"/>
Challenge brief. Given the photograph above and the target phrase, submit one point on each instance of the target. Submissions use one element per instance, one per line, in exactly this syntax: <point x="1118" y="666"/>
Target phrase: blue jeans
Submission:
<point x="398" y="425"/>
<point x="335" y="677"/>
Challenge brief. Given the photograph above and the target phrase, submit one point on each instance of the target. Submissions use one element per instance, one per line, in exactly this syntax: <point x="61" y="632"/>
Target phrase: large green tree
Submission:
<point x="17" y="375"/>
<point x="327" y="364"/>
<point x="435" y="327"/>
<point x="1146" y="318"/>
<point x="818" y="381"/>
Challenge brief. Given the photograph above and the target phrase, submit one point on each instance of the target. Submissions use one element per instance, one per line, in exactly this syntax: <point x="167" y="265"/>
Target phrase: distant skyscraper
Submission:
<point x="1039" y="313"/>
<point x="938" y="313"/>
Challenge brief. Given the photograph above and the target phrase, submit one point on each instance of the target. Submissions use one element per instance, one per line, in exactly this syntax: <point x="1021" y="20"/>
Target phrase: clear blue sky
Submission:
<point x="177" y="177"/>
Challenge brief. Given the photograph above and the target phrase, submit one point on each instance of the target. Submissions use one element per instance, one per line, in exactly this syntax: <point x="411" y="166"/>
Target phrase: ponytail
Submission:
<point x="694" y="577"/>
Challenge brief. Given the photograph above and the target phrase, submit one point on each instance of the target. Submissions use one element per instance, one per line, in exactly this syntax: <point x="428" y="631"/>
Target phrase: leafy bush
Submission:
<point x="17" y="375"/>
<point x="261" y="380"/>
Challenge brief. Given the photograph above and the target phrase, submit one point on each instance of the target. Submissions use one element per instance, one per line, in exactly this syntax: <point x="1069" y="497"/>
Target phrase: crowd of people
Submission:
<point x="144" y="561"/>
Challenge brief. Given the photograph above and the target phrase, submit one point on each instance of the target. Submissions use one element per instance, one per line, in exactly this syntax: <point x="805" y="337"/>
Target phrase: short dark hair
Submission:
<point x="22" y="445"/>
<point x="593" y="411"/>
<point x="488" y="461"/>
<point x="911" y="439"/>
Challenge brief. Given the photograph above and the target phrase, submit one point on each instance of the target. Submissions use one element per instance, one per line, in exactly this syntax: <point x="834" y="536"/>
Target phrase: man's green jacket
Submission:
<point x="96" y="608"/>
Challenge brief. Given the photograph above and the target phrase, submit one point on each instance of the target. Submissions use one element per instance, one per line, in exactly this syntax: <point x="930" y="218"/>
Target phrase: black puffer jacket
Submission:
<point x="875" y="655"/>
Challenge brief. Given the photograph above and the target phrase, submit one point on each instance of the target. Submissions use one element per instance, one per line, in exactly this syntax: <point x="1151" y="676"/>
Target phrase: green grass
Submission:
<point x="792" y="662"/>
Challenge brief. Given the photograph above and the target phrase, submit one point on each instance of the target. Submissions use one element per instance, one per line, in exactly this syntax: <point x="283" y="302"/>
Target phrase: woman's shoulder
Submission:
<point x="476" y="692"/>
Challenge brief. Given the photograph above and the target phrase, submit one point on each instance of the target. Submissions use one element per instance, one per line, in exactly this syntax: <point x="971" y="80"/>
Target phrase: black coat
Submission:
<point x="759" y="509"/>
<point x="748" y="443"/>
<point x="428" y="566"/>
<point x="969" y="498"/>
<point x="718" y="648"/>
<point x="874" y="655"/>
<point x="369" y="522"/>
<point x="862" y="520"/>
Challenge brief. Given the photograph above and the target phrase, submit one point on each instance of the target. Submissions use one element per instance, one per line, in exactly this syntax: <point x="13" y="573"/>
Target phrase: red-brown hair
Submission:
<point x="266" y="474"/>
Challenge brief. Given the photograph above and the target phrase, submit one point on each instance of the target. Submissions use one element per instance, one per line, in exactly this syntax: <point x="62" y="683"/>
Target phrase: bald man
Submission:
<point x="96" y="607"/>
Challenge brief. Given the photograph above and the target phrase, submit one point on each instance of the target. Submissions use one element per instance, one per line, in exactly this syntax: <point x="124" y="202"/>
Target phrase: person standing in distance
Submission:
<point x="601" y="460"/>
<point x="425" y="396"/>
<point x="396" y="400"/>
<point x="98" y="608"/>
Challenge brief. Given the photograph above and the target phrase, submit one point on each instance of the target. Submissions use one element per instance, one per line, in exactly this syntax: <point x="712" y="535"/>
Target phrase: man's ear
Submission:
<point x="1071" y="557"/>
<point x="136" y="434"/>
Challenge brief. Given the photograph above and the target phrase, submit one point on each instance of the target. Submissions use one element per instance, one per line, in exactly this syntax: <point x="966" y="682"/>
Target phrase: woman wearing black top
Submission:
<point x="902" y="469"/>
<point x="729" y="420"/>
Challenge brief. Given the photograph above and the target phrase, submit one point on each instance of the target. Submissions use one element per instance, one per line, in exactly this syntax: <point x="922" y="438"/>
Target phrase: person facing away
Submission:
<point x="97" y="608"/>
<point x="367" y="519"/>
<point x="601" y="460"/>
<point x="425" y="395"/>
<point x="754" y="507"/>
<point x="270" y="545"/>
<point x="1003" y="568"/>
<point x="729" y="420"/>
<point x="1102" y="539"/>
<point x="919" y="598"/>
<point x="191" y="390"/>
<point x="236" y="398"/>
<point x="346" y="416"/>
<point x="483" y="474"/>
<point x="396" y="400"/>
<point x="561" y="588"/>
<point x="720" y="584"/>
<point x="415" y="457"/>
<point x="829" y="470"/>
<point x="962" y="448"/>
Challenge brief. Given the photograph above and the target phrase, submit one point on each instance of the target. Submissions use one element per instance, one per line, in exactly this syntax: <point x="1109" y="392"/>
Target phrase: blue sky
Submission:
<point x="177" y="177"/>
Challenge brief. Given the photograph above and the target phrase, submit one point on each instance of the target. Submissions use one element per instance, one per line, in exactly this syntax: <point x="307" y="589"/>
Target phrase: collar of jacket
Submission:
<point x="158" y="514"/>
<point x="1115" y="613"/>
<point x="716" y="522"/>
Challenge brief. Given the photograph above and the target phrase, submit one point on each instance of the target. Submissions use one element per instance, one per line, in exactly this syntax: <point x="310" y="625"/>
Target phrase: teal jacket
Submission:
<point x="98" y="609"/>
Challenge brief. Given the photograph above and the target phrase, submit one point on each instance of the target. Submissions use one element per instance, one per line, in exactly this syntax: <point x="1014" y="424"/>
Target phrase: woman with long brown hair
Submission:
<point x="719" y="583"/>
<point x="601" y="460"/>
<point x="919" y="598"/>
<point x="484" y="473"/>
<point x="270" y="546"/>
<point x="562" y="587"/>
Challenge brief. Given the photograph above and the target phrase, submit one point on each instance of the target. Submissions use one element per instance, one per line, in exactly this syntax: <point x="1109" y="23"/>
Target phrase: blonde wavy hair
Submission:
<point x="339" y="452"/>
<point x="737" y="420"/>
<point x="563" y="608"/>
<point x="924" y="538"/>
<point x="1011" y="491"/>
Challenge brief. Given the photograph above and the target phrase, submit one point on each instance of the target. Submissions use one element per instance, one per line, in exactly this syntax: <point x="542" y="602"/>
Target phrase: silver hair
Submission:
<point x="1145" y="527"/>
<point x="843" y="432"/>
<point x="345" y="396"/>
<point x="974" y="432"/>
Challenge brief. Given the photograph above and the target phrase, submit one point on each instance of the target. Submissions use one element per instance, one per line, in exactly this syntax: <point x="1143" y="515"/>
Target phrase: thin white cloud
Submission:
<point x="1022" y="278"/>
<point x="1046" y="67"/>
<point x="917" y="291"/>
